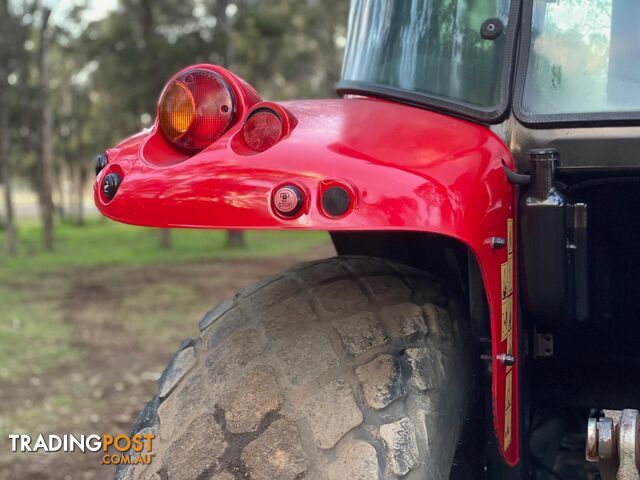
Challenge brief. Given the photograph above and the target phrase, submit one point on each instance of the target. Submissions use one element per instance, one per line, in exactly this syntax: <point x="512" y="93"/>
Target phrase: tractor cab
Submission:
<point x="478" y="177"/>
<point x="559" y="82"/>
<point x="456" y="56"/>
<point x="567" y="104"/>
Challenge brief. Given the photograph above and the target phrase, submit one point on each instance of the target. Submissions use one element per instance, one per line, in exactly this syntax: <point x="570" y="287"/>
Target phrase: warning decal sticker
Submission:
<point x="508" y="390"/>
<point x="507" y="277"/>
<point x="508" y="397"/>
<point x="507" y="318"/>
<point x="506" y="273"/>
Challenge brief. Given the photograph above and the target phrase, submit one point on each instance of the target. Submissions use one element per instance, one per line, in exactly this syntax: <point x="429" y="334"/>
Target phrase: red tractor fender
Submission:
<point x="403" y="169"/>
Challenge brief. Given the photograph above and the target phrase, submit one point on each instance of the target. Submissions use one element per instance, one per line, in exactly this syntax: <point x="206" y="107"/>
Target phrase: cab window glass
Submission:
<point x="432" y="47"/>
<point x="584" y="57"/>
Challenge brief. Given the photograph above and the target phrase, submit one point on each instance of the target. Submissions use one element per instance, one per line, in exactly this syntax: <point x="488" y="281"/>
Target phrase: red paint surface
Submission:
<point x="408" y="169"/>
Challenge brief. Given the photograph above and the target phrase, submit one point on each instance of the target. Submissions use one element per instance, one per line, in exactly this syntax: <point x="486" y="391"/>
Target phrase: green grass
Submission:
<point x="102" y="242"/>
<point x="33" y="420"/>
<point x="93" y="297"/>
<point x="33" y="336"/>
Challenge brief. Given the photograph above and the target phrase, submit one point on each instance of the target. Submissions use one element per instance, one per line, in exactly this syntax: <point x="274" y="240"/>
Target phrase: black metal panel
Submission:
<point x="542" y="228"/>
<point x="596" y="148"/>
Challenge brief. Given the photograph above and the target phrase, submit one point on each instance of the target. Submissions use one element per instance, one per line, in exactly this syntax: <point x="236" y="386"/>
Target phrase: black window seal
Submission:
<point x="491" y="115"/>
<point x="556" y="120"/>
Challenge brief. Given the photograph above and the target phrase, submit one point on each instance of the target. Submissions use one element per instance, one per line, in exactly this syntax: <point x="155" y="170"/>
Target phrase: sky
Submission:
<point x="97" y="9"/>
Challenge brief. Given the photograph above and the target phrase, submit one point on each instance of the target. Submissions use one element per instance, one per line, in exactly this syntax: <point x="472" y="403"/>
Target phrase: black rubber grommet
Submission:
<point x="101" y="162"/>
<point x="335" y="201"/>
<point x="491" y="28"/>
<point x="110" y="185"/>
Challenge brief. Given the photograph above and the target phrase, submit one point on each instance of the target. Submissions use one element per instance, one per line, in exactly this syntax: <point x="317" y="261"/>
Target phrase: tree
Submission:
<point x="45" y="158"/>
<point x="223" y="37"/>
<point x="133" y="73"/>
<point x="5" y="134"/>
<point x="84" y="85"/>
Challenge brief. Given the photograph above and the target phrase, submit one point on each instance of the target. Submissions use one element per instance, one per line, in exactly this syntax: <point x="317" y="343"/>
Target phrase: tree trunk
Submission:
<point x="5" y="172"/>
<point x="165" y="239"/>
<point x="82" y="180"/>
<point x="235" y="238"/>
<point x="46" y="141"/>
<point x="5" y="148"/>
<point x="58" y="193"/>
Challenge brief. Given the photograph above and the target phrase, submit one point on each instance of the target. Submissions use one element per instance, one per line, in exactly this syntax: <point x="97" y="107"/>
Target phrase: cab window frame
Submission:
<point x="555" y="120"/>
<point x="489" y="115"/>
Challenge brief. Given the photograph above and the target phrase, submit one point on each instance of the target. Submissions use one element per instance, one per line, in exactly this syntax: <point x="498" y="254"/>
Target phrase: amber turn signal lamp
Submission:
<point x="177" y="111"/>
<point x="195" y="109"/>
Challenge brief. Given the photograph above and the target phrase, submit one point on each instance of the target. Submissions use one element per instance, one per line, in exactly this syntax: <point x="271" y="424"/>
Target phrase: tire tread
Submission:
<point x="325" y="326"/>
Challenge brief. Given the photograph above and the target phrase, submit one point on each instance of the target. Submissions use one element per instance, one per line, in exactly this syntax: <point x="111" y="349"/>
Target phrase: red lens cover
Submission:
<point x="214" y="108"/>
<point x="263" y="129"/>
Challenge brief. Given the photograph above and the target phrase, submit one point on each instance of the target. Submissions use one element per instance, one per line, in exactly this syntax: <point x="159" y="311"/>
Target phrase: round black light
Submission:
<point x="110" y="185"/>
<point x="101" y="162"/>
<point x="335" y="201"/>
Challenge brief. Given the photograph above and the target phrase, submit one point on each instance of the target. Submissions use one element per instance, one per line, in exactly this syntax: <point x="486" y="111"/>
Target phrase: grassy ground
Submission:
<point x="102" y="242"/>
<point x="28" y="314"/>
<point x="86" y="329"/>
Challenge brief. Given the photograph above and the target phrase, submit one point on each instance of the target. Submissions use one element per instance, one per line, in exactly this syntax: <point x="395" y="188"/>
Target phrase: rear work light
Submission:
<point x="263" y="129"/>
<point x="195" y="109"/>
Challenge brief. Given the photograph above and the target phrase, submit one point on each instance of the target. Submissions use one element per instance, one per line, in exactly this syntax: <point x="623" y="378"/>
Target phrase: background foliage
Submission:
<point x="77" y="76"/>
<point x="90" y="310"/>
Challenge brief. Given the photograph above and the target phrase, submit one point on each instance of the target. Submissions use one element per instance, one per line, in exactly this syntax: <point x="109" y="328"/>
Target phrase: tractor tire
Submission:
<point x="348" y="368"/>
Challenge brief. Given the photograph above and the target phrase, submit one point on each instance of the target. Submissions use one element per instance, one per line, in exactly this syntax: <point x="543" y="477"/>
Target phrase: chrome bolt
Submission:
<point x="497" y="243"/>
<point x="506" y="359"/>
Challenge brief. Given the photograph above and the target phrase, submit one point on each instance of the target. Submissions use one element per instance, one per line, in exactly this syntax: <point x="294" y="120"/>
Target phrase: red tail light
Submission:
<point x="263" y="129"/>
<point x="195" y="109"/>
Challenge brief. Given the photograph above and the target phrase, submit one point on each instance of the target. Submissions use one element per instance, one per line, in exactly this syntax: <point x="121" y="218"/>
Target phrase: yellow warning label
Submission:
<point x="506" y="275"/>
<point x="507" y="331"/>
<point x="507" y="317"/>
<point x="510" y="273"/>
<point x="507" y="428"/>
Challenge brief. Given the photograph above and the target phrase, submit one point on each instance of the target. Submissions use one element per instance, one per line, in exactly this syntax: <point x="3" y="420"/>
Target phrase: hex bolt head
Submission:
<point x="110" y="185"/>
<point x="506" y="359"/>
<point x="497" y="243"/>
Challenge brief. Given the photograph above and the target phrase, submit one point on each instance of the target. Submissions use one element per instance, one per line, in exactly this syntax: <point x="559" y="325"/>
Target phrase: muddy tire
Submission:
<point x="348" y="368"/>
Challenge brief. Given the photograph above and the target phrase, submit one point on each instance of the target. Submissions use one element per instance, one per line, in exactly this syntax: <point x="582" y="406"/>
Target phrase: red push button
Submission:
<point x="288" y="200"/>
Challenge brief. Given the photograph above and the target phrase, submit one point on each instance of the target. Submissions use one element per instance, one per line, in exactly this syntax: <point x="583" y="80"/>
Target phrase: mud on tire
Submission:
<point x="348" y="368"/>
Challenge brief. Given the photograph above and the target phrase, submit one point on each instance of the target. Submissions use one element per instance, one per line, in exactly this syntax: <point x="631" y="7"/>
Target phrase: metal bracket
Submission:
<point x="613" y="442"/>
<point x="542" y="344"/>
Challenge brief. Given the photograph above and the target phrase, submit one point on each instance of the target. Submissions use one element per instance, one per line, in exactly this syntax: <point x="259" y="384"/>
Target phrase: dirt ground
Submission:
<point x="126" y="323"/>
